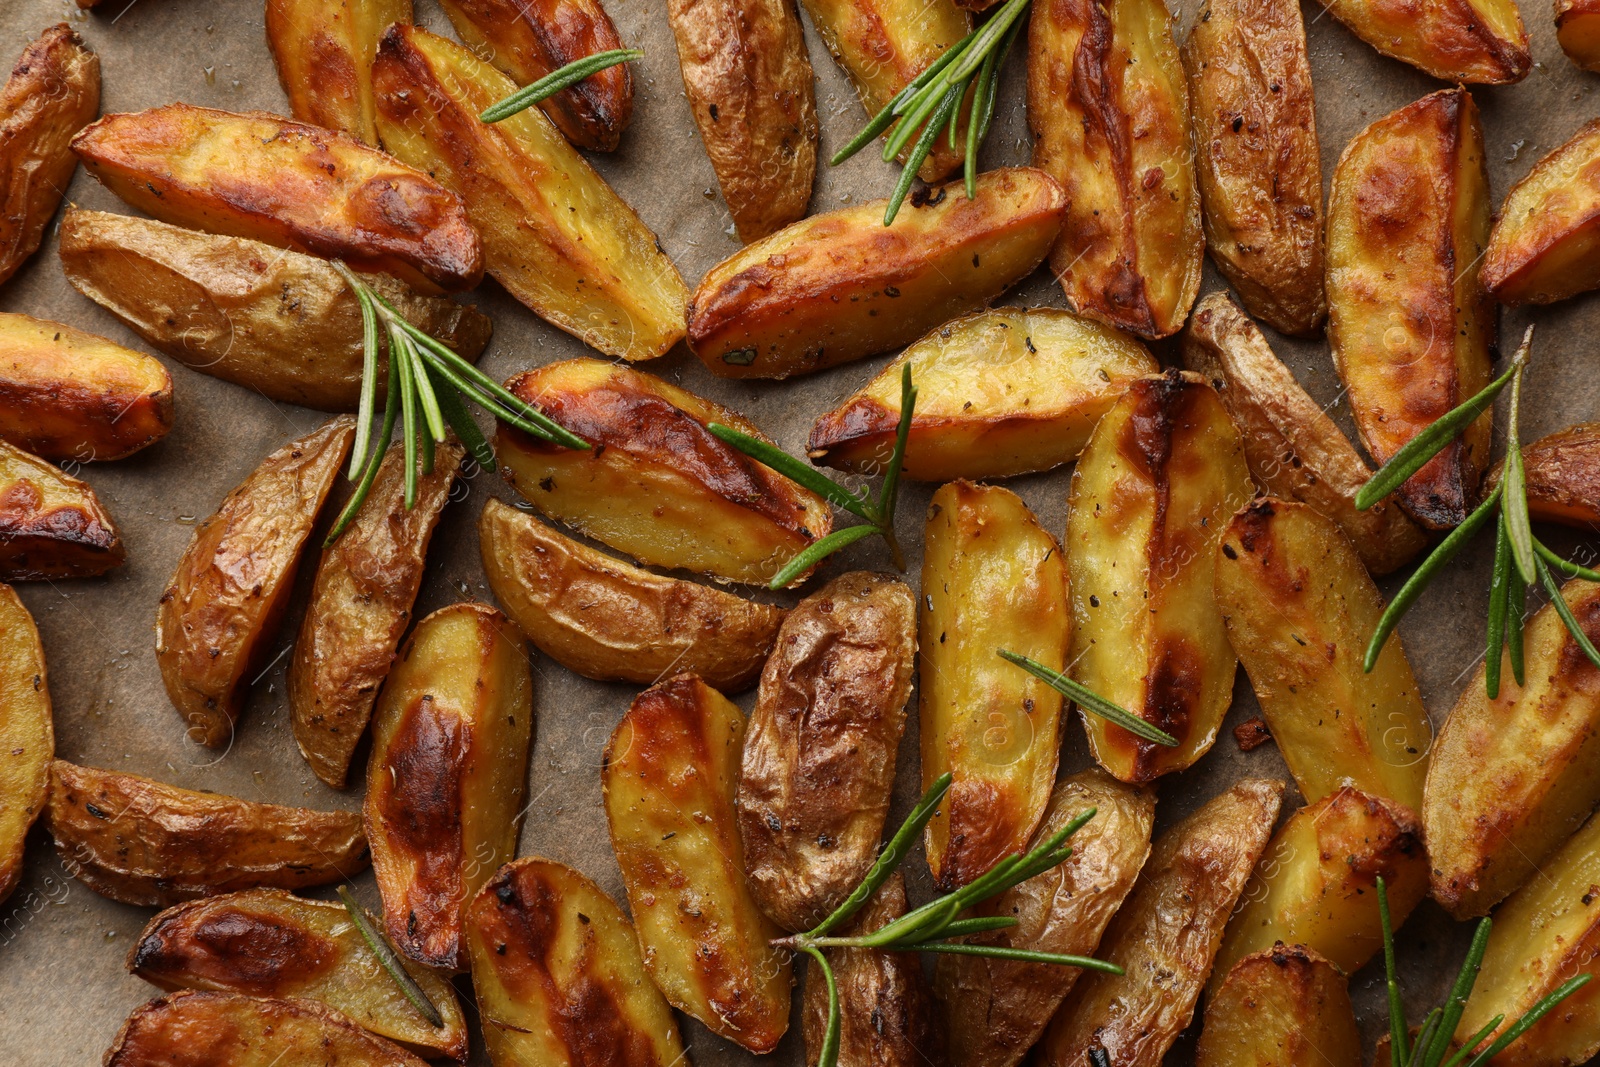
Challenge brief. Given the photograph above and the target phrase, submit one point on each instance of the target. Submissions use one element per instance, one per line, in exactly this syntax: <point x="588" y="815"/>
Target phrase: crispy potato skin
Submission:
<point x="279" y="322"/>
<point x="271" y="943"/>
<point x="1258" y="160"/>
<point x="154" y="845"/>
<point x="1511" y="778"/>
<point x="1166" y="934"/>
<point x="996" y="1009"/>
<point x="1294" y="449"/>
<point x="1285" y="1007"/>
<point x="527" y="40"/>
<point x="1545" y="245"/>
<point x="1150" y="497"/>
<point x="360" y="605"/>
<point x="614" y="622"/>
<point x="289" y="184"/>
<point x="1408" y="319"/>
<point x="656" y="484"/>
<point x="1479" y="42"/>
<point x="1563" y="476"/>
<point x="450" y="740"/>
<point x="819" y="757"/>
<point x="232" y="584"/>
<point x="1578" y="32"/>
<point x="999" y="392"/>
<point x="323" y="50"/>
<point x="27" y="734"/>
<point x="670" y="775"/>
<point x="554" y="233"/>
<point x="992" y="578"/>
<point x="53" y="92"/>
<point x="51" y="524"/>
<point x="1289" y="582"/>
<point x="555" y="961"/>
<point x="841" y="285"/>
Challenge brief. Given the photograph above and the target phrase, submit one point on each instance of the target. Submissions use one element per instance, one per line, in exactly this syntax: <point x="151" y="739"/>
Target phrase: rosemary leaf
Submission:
<point x="818" y="551"/>
<point x="1559" y="602"/>
<point x="557" y="80"/>
<point x="369" y="367"/>
<point x="1000" y="952"/>
<point x="916" y="118"/>
<point x="1465" y="980"/>
<point x="391" y="410"/>
<point x="1425" y="1035"/>
<point x="390" y="960"/>
<point x="1399" y="1047"/>
<point x="1516" y="613"/>
<point x="924" y="145"/>
<point x="981" y="924"/>
<point x="427" y="399"/>
<point x="1475" y="1040"/>
<point x="1533" y="1015"/>
<point x="1089" y="700"/>
<point x="400" y="352"/>
<point x="1567" y="567"/>
<point x="983" y="45"/>
<point x="889" y="495"/>
<point x="1514" y="501"/>
<point x="456" y="414"/>
<point x="1499" y="593"/>
<point x="892" y="110"/>
<point x="794" y="469"/>
<point x="828" y="1055"/>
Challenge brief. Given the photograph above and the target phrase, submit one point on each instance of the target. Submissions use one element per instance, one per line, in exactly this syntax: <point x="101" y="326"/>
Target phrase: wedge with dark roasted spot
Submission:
<point x="51" y="524"/>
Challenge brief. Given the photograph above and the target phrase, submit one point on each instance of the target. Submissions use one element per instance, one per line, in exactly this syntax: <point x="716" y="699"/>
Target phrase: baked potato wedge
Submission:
<point x="227" y="597"/>
<point x="670" y="773"/>
<point x="992" y="578"/>
<point x="27" y="734"/>
<point x="994" y="1010"/>
<point x="53" y="92"/>
<point x="1562" y="476"/>
<point x="656" y="483"/>
<point x="450" y="740"/>
<point x="289" y="184"/>
<point x="608" y="620"/>
<point x="323" y="50"/>
<point x="1109" y="110"/>
<point x="554" y="233"/>
<point x="999" y="392"/>
<point x="558" y="974"/>
<point x="1288" y="583"/>
<point x="1166" y="934"/>
<point x="154" y="845"/>
<point x="1545" y="245"/>
<point x="1578" y="33"/>
<point x="1410" y="324"/>
<point x="1480" y="42"/>
<point x="51" y="524"/>
<point x="271" y="943"/>
<point x="1294" y="449"/>
<point x="1282" y="1007"/>
<point x="1150" y="498"/>
<point x="819" y="756"/>
<point x="841" y="285"/>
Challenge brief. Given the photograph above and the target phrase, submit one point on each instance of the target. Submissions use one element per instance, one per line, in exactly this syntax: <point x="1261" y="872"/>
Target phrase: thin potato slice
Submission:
<point x="999" y="392"/>
<point x="840" y="286"/>
<point x="51" y="524"/>
<point x="154" y="845"/>
<point x="992" y="579"/>
<point x="1563" y="476"/>
<point x="27" y="734"/>
<point x="670" y="773"/>
<point x="558" y="974"/>
<point x="1409" y="321"/>
<point x="1284" y="1007"/>
<point x="554" y="233"/>
<point x="232" y="584"/>
<point x="1480" y="42"/>
<point x="611" y="621"/>
<point x="323" y="50"/>
<point x="1578" y="33"/>
<point x="1545" y="245"/>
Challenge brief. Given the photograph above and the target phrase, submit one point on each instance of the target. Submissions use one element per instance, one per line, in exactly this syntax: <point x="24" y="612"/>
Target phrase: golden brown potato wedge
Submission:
<point x="51" y="524"/>
<point x="994" y="1009"/>
<point x="1151" y="495"/>
<point x="1578" y="32"/>
<point x="670" y="773"/>
<point x="1284" y="1007"/>
<point x="1258" y="159"/>
<point x="450" y="741"/>
<point x="53" y="92"/>
<point x="1165" y="936"/>
<point x="1563" y="476"/>
<point x="1476" y="41"/>
<point x="615" y="622"/>
<point x="1300" y="611"/>
<point x="154" y="845"/>
<point x="1410" y="324"/>
<point x="840" y="286"/>
<point x="288" y="184"/>
<point x="360" y="605"/>
<point x="1511" y="778"/>
<point x="279" y="322"/>
<point x="27" y="734"/>
<point x="999" y="392"/>
<point x="233" y="581"/>
<point x="271" y="943"/>
<point x="992" y="578"/>
<point x="323" y="50"/>
<point x="527" y="40"/>
<point x="554" y="233"/>
<point x="558" y="974"/>
<point x="657" y="484"/>
<point x="820" y="754"/>
<point x="1294" y="449"/>
<point x="1545" y="245"/>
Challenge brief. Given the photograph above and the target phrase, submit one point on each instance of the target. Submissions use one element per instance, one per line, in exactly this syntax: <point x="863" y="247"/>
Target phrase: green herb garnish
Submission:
<point x="557" y="80"/>
<point x="1089" y="700"/>
<point x="390" y="960"/>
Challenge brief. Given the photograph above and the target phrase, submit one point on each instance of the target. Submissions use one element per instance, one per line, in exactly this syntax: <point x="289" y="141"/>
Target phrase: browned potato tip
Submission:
<point x="51" y="524"/>
<point x="999" y="392"/>
<point x="323" y="50"/>
<point x="1562" y="476"/>
<point x="1545" y="246"/>
<point x="27" y="734"/>
<point x="819" y="758"/>
<point x="154" y="845"/>
<point x="271" y="943"/>
<point x="1283" y="1007"/>
<point x="228" y="594"/>
<point x="656" y="483"/>
<point x="608" y="620"/>
<point x="840" y="286"/>
<point x="288" y="184"/>
<point x="1411" y="326"/>
<point x="554" y="233"/>
<point x="1578" y="32"/>
<point x="1480" y="42"/>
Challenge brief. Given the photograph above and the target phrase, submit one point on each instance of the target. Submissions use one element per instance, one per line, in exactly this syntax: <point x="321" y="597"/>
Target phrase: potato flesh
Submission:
<point x="27" y="734"/>
<point x="554" y="233"/>
<point x="670" y="772"/>
<point x="51" y="524"/>
<point x="1545" y="245"/>
<point x="999" y="392"/>
<point x="1475" y="41"/>
<point x="1578" y="31"/>
<point x="1284" y="1007"/>
<point x="323" y="50"/>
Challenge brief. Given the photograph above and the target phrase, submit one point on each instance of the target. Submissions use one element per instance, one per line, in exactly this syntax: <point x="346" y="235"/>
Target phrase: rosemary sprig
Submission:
<point x="390" y="960"/>
<point x="557" y="80"/>
<point x="1089" y="700"/>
